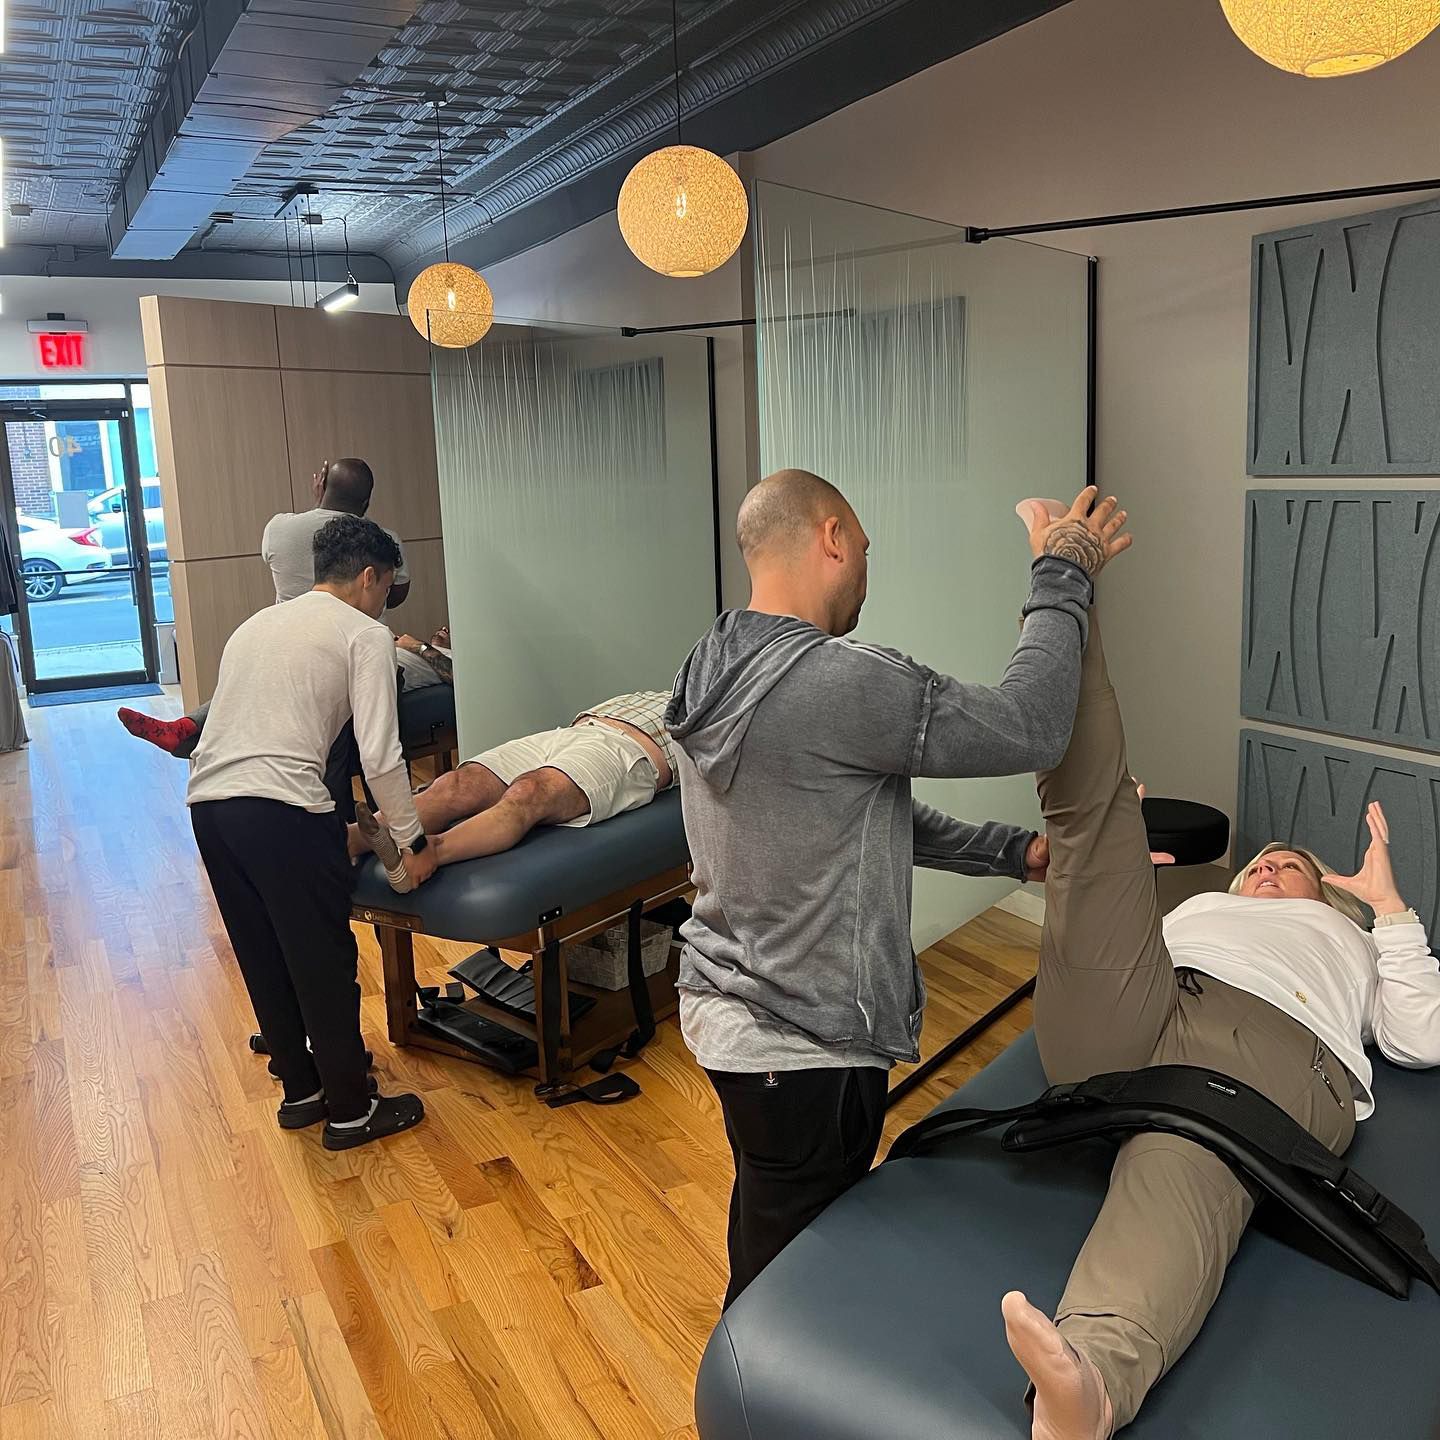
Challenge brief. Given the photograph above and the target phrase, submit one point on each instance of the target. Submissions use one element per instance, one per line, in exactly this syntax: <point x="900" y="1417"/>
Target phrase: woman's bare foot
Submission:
<point x="1070" y="1398"/>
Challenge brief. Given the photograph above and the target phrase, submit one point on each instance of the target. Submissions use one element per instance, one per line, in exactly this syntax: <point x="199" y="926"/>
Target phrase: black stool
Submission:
<point x="1194" y="834"/>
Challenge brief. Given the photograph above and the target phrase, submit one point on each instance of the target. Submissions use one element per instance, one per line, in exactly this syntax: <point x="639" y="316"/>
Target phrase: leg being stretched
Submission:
<point x="1106" y="987"/>
<point x="470" y="790"/>
<point x="539" y="797"/>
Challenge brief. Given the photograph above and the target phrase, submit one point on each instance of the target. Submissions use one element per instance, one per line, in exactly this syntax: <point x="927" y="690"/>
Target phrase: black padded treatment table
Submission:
<point x="882" y="1320"/>
<point x="556" y="887"/>
<point x="427" y="725"/>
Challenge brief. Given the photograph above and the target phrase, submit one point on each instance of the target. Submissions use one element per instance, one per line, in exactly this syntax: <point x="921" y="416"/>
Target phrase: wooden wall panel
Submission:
<point x="315" y="340"/>
<point x="424" y="610"/>
<point x="208" y="332"/>
<point x="212" y="597"/>
<point x="225" y="447"/>
<point x="387" y="420"/>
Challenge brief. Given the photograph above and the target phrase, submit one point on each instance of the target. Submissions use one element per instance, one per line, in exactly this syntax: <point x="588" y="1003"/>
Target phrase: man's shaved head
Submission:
<point x="348" y="485"/>
<point x="783" y="511"/>
<point x="805" y="549"/>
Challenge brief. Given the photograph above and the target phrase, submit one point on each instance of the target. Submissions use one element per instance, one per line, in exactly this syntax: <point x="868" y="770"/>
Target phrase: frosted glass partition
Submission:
<point x="936" y="383"/>
<point x="575" y="494"/>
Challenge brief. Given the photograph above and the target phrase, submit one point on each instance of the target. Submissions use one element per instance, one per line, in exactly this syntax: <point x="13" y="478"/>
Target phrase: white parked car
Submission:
<point x="52" y="558"/>
<point x="107" y="510"/>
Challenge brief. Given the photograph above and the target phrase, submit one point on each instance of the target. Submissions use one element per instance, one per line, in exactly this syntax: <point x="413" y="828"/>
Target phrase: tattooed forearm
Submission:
<point x="440" y="664"/>
<point x="1072" y="540"/>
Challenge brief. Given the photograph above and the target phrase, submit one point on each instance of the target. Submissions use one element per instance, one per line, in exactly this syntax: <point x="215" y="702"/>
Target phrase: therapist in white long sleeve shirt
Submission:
<point x="291" y="678"/>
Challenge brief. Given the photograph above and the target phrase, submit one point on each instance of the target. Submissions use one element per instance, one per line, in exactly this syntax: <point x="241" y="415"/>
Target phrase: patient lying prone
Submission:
<point x="614" y="757"/>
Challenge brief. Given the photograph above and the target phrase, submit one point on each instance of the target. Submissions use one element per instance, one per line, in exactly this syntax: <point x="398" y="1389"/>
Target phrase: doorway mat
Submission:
<point x="80" y="697"/>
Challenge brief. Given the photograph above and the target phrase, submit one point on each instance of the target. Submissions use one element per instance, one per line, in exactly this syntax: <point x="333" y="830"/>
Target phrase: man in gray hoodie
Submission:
<point x="796" y="749"/>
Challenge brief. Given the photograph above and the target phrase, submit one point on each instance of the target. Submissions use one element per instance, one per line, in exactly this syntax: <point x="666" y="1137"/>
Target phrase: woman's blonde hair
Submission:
<point x="1332" y="895"/>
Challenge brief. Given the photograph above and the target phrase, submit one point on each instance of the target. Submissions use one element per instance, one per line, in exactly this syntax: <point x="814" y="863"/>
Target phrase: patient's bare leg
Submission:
<point x="1070" y="1398"/>
<point x="470" y="790"/>
<point x="539" y="797"/>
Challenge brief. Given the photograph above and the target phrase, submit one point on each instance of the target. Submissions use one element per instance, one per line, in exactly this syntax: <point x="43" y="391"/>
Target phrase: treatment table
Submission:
<point x="882" y="1319"/>
<point x="427" y="726"/>
<point x="557" y="887"/>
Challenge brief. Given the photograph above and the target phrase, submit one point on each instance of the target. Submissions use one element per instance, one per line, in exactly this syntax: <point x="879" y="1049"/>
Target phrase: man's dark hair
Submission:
<point x="345" y="545"/>
<point x="348" y="486"/>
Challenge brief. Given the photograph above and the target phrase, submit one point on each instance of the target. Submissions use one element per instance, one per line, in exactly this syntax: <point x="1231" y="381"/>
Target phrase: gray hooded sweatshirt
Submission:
<point x="795" y="755"/>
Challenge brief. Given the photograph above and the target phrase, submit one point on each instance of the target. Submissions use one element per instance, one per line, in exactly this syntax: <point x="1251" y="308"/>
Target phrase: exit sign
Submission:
<point x="61" y="351"/>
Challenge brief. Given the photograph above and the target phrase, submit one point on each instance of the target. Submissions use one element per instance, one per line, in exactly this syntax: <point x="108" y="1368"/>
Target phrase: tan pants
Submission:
<point x="1108" y="998"/>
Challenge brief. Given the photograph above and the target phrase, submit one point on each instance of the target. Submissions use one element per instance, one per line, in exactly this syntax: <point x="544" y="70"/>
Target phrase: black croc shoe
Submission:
<point x="312" y="1112"/>
<point x="392" y="1114"/>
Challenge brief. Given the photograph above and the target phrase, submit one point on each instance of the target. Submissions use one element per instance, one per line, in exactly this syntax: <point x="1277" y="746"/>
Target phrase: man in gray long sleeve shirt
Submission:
<point x="796" y="749"/>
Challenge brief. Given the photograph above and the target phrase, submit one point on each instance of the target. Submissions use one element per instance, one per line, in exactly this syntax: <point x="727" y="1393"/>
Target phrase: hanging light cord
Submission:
<point x="345" y="227"/>
<point x="440" y="153"/>
<point x="675" y="54"/>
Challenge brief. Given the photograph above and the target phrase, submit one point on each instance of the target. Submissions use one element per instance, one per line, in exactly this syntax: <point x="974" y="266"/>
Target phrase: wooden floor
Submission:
<point x="174" y="1267"/>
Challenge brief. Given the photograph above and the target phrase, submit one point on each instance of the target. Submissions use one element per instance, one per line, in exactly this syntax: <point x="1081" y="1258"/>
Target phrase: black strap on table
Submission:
<point x="644" y="1031"/>
<point x="1252" y="1134"/>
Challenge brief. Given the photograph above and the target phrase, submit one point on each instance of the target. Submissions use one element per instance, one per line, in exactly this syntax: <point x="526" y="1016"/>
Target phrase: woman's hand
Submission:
<point x="1374" y="882"/>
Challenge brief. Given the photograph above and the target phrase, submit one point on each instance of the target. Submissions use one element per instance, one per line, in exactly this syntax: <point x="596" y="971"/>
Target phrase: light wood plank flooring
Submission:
<point x="174" y="1267"/>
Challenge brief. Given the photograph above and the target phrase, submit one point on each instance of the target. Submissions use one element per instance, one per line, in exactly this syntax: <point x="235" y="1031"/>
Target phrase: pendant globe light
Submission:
<point x="450" y="304"/>
<point x="1322" y="38"/>
<point x="682" y="210"/>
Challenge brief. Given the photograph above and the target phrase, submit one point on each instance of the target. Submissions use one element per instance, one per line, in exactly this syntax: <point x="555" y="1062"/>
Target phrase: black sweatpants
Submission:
<point x="282" y="881"/>
<point x="800" y="1139"/>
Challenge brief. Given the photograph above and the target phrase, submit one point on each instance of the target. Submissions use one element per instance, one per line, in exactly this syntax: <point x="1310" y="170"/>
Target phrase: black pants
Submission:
<point x="800" y="1139"/>
<point x="282" y="881"/>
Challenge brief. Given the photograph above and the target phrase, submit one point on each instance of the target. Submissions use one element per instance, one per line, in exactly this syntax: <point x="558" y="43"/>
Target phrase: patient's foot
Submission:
<point x="1070" y="1398"/>
<point x="1036" y="510"/>
<point x="175" y="737"/>
<point x="381" y="842"/>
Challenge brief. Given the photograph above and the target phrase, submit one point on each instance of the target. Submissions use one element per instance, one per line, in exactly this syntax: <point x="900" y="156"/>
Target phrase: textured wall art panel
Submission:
<point x="1345" y="346"/>
<point x="1315" y="795"/>
<point x="1342" y="611"/>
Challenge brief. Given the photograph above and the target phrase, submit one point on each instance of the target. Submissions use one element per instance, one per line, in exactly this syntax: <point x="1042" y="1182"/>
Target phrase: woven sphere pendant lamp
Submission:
<point x="448" y="303"/>
<point x="682" y="210"/>
<point x="1322" y="38"/>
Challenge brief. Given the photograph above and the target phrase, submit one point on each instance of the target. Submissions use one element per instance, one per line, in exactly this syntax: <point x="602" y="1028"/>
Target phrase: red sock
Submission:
<point x="167" y="734"/>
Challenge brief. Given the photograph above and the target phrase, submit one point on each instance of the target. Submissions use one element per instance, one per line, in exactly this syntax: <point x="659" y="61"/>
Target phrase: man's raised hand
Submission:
<point x="1089" y="538"/>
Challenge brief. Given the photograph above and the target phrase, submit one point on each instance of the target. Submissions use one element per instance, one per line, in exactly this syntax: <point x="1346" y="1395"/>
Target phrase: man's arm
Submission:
<point x="400" y="586"/>
<point x="944" y="843"/>
<point x="437" y="660"/>
<point x="377" y="731"/>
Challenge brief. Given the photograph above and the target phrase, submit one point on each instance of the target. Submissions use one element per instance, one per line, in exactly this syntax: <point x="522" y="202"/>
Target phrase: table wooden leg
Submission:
<point x="397" y="956"/>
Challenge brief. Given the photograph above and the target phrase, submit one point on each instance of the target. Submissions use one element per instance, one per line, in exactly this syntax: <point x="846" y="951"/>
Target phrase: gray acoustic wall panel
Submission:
<point x="1345" y="346"/>
<point x="1315" y="795"/>
<point x="1342" y="613"/>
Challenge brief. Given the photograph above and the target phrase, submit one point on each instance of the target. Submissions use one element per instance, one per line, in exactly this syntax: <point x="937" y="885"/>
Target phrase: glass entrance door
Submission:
<point x="74" y="507"/>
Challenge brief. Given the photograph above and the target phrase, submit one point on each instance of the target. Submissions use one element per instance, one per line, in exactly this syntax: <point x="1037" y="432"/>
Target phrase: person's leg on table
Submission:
<point x="800" y="1139"/>
<point x="539" y="797"/>
<point x="457" y="795"/>
<point x="1156" y="1256"/>
<point x="256" y="945"/>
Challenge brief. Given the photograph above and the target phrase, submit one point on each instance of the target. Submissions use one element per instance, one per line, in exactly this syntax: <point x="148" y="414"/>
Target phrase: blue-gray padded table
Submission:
<point x="883" y="1318"/>
<point x="557" y="886"/>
